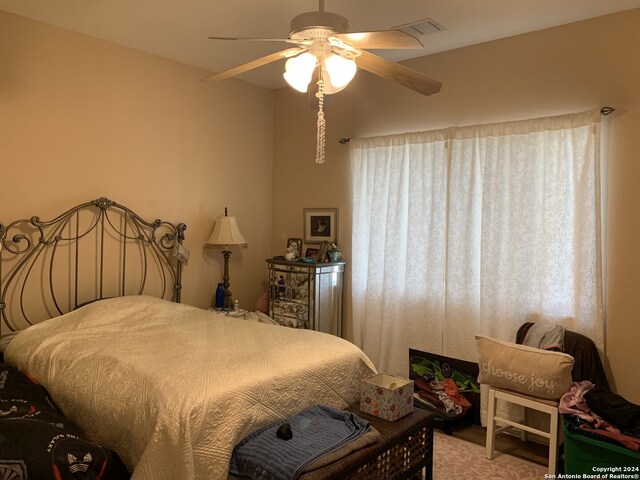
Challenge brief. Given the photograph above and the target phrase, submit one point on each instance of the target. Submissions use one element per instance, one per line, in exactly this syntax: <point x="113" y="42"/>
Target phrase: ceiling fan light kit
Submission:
<point x="325" y="47"/>
<point x="340" y="70"/>
<point x="337" y="69"/>
<point x="299" y="70"/>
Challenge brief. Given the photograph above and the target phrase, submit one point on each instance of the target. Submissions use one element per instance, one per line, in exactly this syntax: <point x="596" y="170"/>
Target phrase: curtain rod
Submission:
<point x="603" y="111"/>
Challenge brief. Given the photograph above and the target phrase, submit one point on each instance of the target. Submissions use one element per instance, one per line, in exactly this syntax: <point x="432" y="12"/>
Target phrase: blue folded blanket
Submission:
<point x="317" y="431"/>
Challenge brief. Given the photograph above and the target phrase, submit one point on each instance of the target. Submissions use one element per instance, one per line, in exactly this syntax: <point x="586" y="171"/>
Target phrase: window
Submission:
<point x="475" y="230"/>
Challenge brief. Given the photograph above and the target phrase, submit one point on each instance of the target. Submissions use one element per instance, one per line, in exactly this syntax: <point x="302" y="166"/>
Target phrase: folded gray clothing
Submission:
<point x="317" y="431"/>
<point x="546" y="337"/>
<point x="369" y="438"/>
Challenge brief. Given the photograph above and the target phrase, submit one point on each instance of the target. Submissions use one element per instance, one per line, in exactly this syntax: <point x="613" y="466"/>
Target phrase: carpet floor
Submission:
<point x="529" y="450"/>
<point x="454" y="459"/>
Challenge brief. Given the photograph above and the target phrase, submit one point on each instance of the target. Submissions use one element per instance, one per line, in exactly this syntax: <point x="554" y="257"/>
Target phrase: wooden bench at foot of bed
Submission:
<point x="405" y="448"/>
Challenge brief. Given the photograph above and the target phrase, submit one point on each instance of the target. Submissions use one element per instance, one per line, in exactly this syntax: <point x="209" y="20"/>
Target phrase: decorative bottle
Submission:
<point x="220" y="297"/>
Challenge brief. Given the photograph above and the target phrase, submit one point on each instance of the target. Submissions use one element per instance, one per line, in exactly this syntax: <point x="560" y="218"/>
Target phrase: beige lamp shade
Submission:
<point x="226" y="233"/>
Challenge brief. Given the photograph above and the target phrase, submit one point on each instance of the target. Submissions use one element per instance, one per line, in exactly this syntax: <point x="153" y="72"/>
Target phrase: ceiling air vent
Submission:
<point x="421" y="28"/>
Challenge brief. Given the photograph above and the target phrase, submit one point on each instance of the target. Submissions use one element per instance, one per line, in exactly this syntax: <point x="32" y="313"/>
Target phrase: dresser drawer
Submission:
<point x="291" y="309"/>
<point x="290" y="321"/>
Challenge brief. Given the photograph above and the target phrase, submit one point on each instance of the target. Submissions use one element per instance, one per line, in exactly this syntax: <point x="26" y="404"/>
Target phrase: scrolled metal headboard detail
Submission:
<point x="95" y="250"/>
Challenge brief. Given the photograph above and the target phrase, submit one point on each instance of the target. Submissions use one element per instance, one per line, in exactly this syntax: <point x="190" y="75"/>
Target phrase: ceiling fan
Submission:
<point x="327" y="53"/>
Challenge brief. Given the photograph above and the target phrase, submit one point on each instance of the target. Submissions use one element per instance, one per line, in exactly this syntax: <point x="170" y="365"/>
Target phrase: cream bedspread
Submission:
<point x="172" y="388"/>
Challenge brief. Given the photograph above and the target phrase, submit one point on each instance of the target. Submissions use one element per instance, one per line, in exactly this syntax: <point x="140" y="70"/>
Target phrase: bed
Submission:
<point x="170" y="388"/>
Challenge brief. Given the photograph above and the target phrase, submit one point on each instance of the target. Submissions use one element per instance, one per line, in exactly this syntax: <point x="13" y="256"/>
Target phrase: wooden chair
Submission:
<point x="529" y="377"/>
<point x="550" y="407"/>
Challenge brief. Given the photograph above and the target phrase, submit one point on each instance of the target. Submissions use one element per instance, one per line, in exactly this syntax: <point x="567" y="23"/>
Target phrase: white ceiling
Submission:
<point x="180" y="29"/>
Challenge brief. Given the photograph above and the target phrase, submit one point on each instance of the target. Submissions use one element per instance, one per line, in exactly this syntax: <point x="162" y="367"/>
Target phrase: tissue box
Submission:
<point x="387" y="396"/>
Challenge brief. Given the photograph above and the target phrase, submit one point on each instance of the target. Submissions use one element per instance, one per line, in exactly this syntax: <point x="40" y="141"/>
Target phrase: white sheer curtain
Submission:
<point x="475" y="230"/>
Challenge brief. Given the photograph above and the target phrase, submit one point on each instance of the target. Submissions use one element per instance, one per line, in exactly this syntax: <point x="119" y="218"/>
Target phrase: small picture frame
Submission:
<point x="320" y="225"/>
<point x="312" y="253"/>
<point x="296" y="243"/>
<point x="323" y="251"/>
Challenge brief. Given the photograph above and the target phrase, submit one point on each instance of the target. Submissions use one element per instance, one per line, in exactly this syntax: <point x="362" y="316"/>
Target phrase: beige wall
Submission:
<point x="566" y="69"/>
<point x="82" y="118"/>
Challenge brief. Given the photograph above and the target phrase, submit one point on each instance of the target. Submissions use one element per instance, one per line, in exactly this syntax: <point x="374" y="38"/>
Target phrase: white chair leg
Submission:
<point x="491" y="413"/>
<point x="553" y="442"/>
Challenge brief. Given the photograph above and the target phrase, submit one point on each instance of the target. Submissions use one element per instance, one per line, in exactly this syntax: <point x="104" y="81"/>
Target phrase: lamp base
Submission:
<point x="228" y="301"/>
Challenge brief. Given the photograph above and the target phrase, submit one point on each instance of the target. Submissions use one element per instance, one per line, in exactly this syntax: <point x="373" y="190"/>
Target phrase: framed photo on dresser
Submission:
<point x="312" y="253"/>
<point x="322" y="252"/>
<point x="296" y="245"/>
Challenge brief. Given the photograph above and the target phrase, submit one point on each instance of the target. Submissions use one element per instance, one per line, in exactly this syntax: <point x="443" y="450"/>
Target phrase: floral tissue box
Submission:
<point x="387" y="396"/>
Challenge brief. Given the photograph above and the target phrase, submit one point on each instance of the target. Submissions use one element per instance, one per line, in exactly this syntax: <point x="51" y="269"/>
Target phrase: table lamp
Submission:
<point x="226" y="234"/>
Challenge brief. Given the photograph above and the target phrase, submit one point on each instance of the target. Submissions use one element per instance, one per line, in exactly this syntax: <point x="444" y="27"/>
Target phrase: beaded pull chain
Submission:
<point x="320" y="136"/>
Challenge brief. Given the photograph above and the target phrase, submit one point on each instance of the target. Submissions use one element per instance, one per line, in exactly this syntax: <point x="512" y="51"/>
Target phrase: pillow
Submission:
<point x="89" y="302"/>
<point x="528" y="370"/>
<point x="41" y="450"/>
<point x="262" y="305"/>
<point x="20" y="395"/>
<point x="37" y="441"/>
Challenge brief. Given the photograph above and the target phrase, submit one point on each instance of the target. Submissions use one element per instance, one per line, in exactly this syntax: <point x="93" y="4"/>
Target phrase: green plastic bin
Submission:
<point x="586" y="455"/>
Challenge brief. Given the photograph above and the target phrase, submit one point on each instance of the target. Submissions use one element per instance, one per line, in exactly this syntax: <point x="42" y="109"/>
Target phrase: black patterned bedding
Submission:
<point x="37" y="442"/>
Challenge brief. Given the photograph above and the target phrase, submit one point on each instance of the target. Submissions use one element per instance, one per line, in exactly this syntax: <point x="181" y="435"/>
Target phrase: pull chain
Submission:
<point x="320" y="135"/>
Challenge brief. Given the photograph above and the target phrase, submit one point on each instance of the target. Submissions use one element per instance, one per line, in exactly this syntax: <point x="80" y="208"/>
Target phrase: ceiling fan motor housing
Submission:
<point x="318" y="24"/>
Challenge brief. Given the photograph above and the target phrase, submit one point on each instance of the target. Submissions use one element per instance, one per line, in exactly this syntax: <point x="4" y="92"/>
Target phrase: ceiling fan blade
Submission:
<point x="249" y="39"/>
<point x="245" y="67"/>
<point x="398" y="73"/>
<point x="384" y="39"/>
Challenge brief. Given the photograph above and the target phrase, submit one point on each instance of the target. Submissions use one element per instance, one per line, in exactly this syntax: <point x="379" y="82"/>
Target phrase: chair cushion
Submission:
<point x="532" y="371"/>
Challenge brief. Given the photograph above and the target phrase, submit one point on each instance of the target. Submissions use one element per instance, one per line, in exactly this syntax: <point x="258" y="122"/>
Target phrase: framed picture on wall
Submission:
<point x="320" y="225"/>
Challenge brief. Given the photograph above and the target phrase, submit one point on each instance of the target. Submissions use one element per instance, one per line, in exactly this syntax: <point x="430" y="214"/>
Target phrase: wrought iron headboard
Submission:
<point x="95" y="250"/>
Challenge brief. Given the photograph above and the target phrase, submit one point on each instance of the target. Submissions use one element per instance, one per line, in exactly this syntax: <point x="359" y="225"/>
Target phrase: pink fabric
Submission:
<point x="574" y="403"/>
